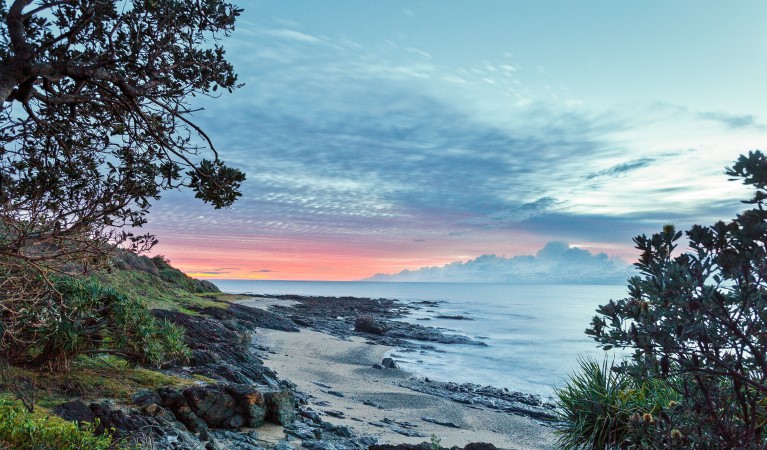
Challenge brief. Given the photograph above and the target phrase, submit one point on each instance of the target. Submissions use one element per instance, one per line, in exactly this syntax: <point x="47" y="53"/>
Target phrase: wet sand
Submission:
<point x="324" y="366"/>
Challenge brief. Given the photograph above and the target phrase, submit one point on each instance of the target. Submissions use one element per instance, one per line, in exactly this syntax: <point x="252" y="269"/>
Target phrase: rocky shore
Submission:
<point x="339" y="394"/>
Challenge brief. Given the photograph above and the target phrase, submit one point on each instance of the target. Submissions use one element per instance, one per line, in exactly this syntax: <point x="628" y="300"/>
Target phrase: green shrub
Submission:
<point x="700" y="317"/>
<point x="84" y="316"/>
<point x="600" y="408"/>
<point x="20" y="430"/>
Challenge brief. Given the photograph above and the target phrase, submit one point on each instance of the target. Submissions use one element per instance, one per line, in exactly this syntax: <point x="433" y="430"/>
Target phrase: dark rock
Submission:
<point x="488" y="397"/>
<point x="372" y="319"/>
<point x="234" y="422"/>
<point x="211" y="404"/>
<point x="319" y="445"/>
<point x="334" y="413"/>
<point x="344" y="431"/>
<point x="218" y="351"/>
<point x="282" y="445"/>
<point x="213" y="445"/>
<point x="458" y="317"/>
<point x="440" y="422"/>
<point x="427" y="446"/>
<point x="300" y="321"/>
<point x="147" y="397"/>
<point x="192" y="422"/>
<point x="230" y="440"/>
<point x="312" y="415"/>
<point x="407" y="432"/>
<point x="171" y="398"/>
<point x="281" y="407"/>
<point x="421" y="446"/>
<point x="370" y="325"/>
<point x="378" y="366"/>
<point x="252" y="402"/>
<point x="479" y="446"/>
<point x="303" y="431"/>
<point x="75" y="411"/>
<point x="162" y="430"/>
<point x="389" y="363"/>
<point x="336" y="393"/>
<point x="153" y="409"/>
<point x="250" y="318"/>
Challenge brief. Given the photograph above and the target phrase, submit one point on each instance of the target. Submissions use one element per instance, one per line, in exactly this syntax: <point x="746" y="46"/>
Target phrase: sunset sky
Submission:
<point x="391" y="135"/>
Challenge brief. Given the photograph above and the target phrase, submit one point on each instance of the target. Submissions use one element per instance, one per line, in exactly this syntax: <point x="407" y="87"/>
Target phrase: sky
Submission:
<point x="383" y="136"/>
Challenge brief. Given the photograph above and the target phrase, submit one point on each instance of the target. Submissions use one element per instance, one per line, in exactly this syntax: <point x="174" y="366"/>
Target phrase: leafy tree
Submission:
<point x="699" y="319"/>
<point x="95" y="124"/>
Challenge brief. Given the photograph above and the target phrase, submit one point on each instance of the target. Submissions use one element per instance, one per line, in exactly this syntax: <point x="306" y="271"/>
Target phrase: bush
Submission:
<point x="22" y="431"/>
<point x="700" y="317"/>
<point x="84" y="316"/>
<point x="600" y="408"/>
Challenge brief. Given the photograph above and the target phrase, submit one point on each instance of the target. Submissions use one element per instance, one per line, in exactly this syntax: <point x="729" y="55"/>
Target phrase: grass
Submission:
<point x="93" y="378"/>
<point x="163" y="295"/>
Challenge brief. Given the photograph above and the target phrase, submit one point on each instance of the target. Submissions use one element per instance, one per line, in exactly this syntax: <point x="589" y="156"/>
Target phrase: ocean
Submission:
<point x="535" y="333"/>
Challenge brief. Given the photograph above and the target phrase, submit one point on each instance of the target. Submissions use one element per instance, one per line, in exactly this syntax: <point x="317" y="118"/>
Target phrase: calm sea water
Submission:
<point x="534" y="333"/>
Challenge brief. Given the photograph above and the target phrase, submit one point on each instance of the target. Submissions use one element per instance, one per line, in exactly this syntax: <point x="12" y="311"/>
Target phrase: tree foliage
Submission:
<point x="700" y="318"/>
<point x="95" y="116"/>
<point x="95" y="123"/>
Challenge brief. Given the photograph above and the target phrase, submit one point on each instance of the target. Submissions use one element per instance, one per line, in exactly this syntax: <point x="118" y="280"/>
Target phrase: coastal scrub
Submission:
<point x="696" y="321"/>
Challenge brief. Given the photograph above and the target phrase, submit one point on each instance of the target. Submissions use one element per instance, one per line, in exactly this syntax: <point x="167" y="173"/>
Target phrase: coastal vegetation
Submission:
<point x="108" y="347"/>
<point x="20" y="429"/>
<point x="696" y="324"/>
<point x="94" y="127"/>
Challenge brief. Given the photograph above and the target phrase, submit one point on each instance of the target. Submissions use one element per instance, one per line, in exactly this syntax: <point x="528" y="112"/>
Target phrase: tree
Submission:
<point x="699" y="320"/>
<point x="95" y="124"/>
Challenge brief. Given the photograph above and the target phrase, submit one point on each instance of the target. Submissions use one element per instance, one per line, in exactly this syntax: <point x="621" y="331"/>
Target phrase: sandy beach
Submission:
<point x="325" y="367"/>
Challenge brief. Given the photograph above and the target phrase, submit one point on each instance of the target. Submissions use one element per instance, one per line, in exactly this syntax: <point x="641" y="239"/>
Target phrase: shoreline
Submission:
<point x="335" y="377"/>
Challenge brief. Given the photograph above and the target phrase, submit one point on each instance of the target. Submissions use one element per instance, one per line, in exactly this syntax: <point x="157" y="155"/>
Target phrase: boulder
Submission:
<point x="251" y="401"/>
<point x="190" y="419"/>
<point x="479" y="446"/>
<point x="146" y="397"/>
<point x="389" y="363"/>
<point x="75" y="411"/>
<point x="371" y="325"/>
<point x="211" y="404"/>
<point x="280" y="407"/>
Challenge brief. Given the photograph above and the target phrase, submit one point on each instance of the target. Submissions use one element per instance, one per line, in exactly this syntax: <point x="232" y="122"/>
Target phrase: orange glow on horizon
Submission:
<point x="213" y="257"/>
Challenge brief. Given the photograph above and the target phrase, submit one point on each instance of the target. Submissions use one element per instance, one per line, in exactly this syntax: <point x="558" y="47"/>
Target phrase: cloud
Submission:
<point x="733" y="121"/>
<point x="557" y="262"/>
<point x="516" y="214"/>
<point x="371" y="145"/>
<point x="622" y="168"/>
